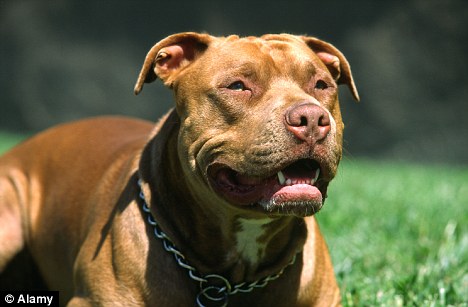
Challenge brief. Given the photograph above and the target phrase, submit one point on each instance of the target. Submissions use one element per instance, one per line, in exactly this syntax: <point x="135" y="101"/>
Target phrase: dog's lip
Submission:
<point x="298" y="181"/>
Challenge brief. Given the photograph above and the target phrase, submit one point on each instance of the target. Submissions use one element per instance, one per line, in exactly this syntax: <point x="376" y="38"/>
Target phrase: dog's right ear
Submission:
<point x="168" y="57"/>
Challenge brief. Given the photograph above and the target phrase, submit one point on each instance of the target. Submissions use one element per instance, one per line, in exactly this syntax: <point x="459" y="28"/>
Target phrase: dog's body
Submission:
<point x="231" y="175"/>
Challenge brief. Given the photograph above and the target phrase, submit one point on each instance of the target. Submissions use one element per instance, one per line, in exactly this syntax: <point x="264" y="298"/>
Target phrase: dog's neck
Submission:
<point x="214" y="238"/>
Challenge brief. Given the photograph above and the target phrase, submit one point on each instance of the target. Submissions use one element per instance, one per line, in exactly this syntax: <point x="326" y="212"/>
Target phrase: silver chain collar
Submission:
<point x="210" y="289"/>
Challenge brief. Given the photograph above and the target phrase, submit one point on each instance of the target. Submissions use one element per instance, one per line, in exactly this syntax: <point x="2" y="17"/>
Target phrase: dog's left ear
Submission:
<point x="335" y="62"/>
<point x="168" y="57"/>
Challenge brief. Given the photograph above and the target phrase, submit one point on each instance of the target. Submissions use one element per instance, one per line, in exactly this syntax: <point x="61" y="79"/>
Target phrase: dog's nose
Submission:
<point x="308" y="122"/>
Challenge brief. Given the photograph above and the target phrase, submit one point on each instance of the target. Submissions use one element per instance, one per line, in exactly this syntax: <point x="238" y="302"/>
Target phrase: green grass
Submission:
<point x="398" y="233"/>
<point x="8" y="140"/>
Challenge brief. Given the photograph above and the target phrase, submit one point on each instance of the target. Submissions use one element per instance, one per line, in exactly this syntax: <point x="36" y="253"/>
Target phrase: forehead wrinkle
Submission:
<point x="282" y="55"/>
<point x="253" y="53"/>
<point x="288" y="60"/>
<point x="276" y="53"/>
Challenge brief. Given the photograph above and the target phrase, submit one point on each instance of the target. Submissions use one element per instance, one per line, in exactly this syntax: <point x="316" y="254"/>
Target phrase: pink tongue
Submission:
<point x="298" y="192"/>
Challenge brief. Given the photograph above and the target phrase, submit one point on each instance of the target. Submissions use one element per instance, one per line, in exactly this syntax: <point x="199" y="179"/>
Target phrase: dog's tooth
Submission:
<point x="288" y="181"/>
<point x="281" y="178"/>
<point x="317" y="173"/>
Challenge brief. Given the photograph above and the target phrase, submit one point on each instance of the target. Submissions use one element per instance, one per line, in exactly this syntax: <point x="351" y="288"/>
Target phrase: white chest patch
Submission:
<point x="249" y="245"/>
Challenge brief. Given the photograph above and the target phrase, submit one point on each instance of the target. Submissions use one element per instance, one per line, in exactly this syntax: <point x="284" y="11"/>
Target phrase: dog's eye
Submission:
<point x="321" y="85"/>
<point x="237" y="86"/>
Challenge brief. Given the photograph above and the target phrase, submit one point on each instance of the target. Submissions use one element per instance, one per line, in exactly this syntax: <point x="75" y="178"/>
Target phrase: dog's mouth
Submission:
<point x="297" y="189"/>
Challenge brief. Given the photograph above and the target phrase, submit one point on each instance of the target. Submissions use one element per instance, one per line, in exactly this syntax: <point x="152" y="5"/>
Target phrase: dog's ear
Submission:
<point x="335" y="62"/>
<point x="168" y="57"/>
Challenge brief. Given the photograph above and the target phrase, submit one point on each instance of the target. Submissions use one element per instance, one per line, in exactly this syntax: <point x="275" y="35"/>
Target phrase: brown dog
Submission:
<point x="211" y="207"/>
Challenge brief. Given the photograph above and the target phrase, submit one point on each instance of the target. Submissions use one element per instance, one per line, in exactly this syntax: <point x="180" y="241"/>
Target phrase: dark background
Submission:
<point x="64" y="60"/>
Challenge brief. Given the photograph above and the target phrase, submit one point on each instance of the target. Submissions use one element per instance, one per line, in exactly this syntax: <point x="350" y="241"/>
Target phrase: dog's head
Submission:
<point x="260" y="122"/>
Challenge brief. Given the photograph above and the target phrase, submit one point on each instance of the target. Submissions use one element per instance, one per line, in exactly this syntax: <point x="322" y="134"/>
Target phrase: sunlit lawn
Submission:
<point x="398" y="233"/>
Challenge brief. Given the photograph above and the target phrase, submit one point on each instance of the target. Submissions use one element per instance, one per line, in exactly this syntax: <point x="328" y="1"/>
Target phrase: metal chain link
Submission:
<point x="209" y="290"/>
